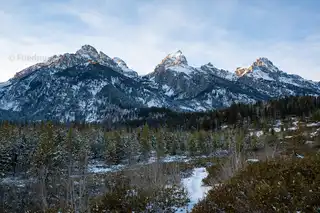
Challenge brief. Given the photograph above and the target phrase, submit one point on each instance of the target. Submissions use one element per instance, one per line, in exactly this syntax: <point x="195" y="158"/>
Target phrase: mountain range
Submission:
<point x="91" y="86"/>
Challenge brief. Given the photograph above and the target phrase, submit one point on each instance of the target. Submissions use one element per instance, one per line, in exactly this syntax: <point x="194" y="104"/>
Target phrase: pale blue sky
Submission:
<point x="227" y="33"/>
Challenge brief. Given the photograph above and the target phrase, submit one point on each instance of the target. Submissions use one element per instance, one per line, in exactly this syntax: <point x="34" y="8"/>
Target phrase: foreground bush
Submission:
<point x="123" y="195"/>
<point x="282" y="185"/>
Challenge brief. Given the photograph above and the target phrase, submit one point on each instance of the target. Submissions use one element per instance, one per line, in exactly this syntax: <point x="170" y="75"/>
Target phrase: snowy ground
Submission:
<point x="257" y="133"/>
<point x="168" y="159"/>
<point x="17" y="181"/>
<point x="194" y="186"/>
<point x="103" y="168"/>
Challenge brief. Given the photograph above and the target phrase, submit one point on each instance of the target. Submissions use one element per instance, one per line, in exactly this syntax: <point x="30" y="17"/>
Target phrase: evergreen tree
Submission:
<point x="160" y="145"/>
<point x="145" y="141"/>
<point x="192" y="144"/>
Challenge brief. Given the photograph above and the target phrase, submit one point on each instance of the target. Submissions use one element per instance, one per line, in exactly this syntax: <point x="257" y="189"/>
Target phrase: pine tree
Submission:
<point x="43" y="160"/>
<point x="216" y="143"/>
<point x="119" y="147"/>
<point x="203" y="142"/>
<point x="145" y="141"/>
<point x="160" y="145"/>
<point x="192" y="144"/>
<point x="110" y="153"/>
<point x="183" y="141"/>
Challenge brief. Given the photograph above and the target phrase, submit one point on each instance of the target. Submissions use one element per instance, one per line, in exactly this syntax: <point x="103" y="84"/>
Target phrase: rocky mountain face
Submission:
<point x="271" y="81"/>
<point x="90" y="86"/>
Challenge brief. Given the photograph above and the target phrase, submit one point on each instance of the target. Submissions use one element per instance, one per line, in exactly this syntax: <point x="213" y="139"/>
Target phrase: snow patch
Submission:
<point x="288" y="81"/>
<point x="17" y="181"/>
<point x="98" y="86"/>
<point x="224" y="127"/>
<point x="257" y="73"/>
<point x="168" y="91"/>
<point x="292" y="128"/>
<point x="313" y="124"/>
<point x="257" y="133"/>
<point x="102" y="168"/>
<point x="295" y="123"/>
<point x="153" y="103"/>
<point x="253" y="160"/>
<point x="170" y="158"/>
<point x="194" y="186"/>
<point x="9" y="105"/>
<point x="276" y="129"/>
<point x="314" y="134"/>
<point x="186" y="108"/>
<point x="182" y="69"/>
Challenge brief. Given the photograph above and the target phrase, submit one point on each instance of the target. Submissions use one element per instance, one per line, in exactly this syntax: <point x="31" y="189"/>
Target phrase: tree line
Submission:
<point x="236" y="114"/>
<point x="53" y="155"/>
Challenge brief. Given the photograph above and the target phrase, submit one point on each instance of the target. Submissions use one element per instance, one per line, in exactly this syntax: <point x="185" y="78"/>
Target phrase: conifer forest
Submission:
<point x="260" y="157"/>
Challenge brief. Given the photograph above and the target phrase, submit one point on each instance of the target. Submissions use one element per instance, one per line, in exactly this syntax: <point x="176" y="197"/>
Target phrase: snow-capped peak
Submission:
<point x="173" y="59"/>
<point x="88" y="52"/>
<point x="264" y="69"/>
<point x="262" y="61"/>
<point x="85" y="55"/>
<point x="209" y="68"/>
<point x="175" y="62"/>
<point x="124" y="67"/>
<point x="176" y="54"/>
<point x="120" y="62"/>
<point x="261" y="64"/>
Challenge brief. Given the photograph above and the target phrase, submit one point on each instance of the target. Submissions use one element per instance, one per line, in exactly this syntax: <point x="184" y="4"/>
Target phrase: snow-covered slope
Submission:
<point x="86" y="85"/>
<point x="85" y="55"/>
<point x="273" y="82"/>
<point x="126" y="70"/>
<point x="203" y="88"/>
<point x="90" y="86"/>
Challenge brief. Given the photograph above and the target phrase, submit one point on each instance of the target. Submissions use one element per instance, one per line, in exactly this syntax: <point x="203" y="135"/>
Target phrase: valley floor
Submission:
<point x="290" y="138"/>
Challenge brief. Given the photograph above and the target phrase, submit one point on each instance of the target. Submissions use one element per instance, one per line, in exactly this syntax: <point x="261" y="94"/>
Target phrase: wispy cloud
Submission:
<point x="227" y="33"/>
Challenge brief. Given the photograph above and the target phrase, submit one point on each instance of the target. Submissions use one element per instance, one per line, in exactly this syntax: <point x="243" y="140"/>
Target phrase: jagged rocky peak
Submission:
<point x="209" y="64"/>
<point x="124" y="67"/>
<point x="241" y="71"/>
<point x="262" y="61"/>
<point x="86" y="54"/>
<point x="174" y="59"/>
<point x="53" y="59"/>
<point x="256" y="65"/>
<point x="120" y="62"/>
<point x="88" y="51"/>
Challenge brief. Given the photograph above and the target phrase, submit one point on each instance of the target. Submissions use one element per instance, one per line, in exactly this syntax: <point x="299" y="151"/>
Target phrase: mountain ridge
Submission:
<point x="171" y="60"/>
<point x="91" y="86"/>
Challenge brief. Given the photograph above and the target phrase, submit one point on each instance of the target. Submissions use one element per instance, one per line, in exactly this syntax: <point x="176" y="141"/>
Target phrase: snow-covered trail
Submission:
<point x="195" y="188"/>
